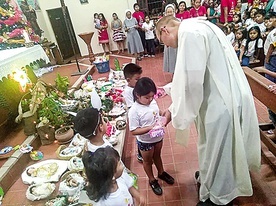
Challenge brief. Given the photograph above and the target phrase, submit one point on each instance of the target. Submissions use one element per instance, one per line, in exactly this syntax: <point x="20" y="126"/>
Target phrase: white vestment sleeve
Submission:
<point x="187" y="86"/>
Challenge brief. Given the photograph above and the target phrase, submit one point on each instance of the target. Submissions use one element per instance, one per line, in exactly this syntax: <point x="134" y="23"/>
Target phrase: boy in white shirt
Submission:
<point x="132" y="73"/>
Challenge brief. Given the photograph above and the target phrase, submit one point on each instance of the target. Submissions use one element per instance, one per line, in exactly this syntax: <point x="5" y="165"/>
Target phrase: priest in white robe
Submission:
<point x="210" y="89"/>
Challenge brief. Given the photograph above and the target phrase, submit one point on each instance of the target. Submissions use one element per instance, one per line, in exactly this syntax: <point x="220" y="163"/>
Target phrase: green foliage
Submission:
<point x="53" y="112"/>
<point x="62" y="84"/>
<point x="107" y="104"/>
<point x="117" y="64"/>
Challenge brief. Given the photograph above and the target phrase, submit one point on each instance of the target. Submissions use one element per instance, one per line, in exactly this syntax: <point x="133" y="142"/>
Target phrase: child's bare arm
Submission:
<point x="241" y="53"/>
<point x="138" y="198"/>
<point x="141" y="130"/>
<point x="269" y="52"/>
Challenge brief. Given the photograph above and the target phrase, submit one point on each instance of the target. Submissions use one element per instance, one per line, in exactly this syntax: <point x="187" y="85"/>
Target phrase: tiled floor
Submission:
<point x="180" y="162"/>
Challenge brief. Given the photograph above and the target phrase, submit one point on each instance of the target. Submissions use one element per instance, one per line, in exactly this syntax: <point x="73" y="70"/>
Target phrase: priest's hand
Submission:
<point x="167" y="115"/>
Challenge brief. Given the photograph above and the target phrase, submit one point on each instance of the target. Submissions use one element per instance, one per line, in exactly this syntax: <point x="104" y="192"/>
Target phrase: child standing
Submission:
<point x="148" y="28"/>
<point x="118" y="34"/>
<point x="142" y="118"/>
<point x="132" y="73"/>
<point x="103" y="34"/>
<point x="252" y="46"/>
<point x="107" y="183"/>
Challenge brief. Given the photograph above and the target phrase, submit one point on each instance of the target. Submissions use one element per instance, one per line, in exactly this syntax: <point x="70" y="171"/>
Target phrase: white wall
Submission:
<point x="82" y="18"/>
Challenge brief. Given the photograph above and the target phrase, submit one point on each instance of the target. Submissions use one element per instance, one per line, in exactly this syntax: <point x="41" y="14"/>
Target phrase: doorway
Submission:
<point x="62" y="34"/>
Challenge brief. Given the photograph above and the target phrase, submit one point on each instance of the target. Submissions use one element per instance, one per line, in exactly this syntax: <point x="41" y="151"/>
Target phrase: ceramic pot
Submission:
<point x="64" y="134"/>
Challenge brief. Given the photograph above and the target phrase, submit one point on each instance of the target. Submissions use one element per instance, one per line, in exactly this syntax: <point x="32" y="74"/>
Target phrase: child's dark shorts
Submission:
<point x="146" y="146"/>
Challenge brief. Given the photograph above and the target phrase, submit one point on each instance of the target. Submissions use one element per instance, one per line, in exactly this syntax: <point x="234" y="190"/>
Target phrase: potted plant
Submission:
<point x="28" y="106"/>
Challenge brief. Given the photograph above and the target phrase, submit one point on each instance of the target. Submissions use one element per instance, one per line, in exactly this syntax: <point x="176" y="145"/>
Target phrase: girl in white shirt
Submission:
<point x="148" y="27"/>
<point x="108" y="185"/>
<point x="143" y="115"/>
<point x="252" y="46"/>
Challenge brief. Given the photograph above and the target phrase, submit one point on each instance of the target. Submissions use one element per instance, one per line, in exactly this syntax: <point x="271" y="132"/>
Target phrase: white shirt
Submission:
<point x="149" y="30"/>
<point x="251" y="47"/>
<point x="122" y="196"/>
<point x="271" y="37"/>
<point x="93" y="148"/>
<point x="141" y="116"/>
<point x="231" y="37"/>
<point x="128" y="96"/>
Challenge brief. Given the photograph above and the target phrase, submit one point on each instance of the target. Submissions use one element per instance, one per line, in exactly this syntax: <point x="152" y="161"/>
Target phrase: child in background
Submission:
<point x="107" y="183"/>
<point x="240" y="40"/>
<point x="237" y="21"/>
<point x="228" y="31"/>
<point x="118" y="34"/>
<point x="268" y="25"/>
<point x="251" y="20"/>
<point x="148" y="28"/>
<point x="132" y="73"/>
<point x="211" y="13"/>
<point x="252" y="46"/>
<point x="259" y="19"/>
<point x="217" y="7"/>
<point x="198" y="10"/>
<point x="143" y="116"/>
<point x="97" y="23"/>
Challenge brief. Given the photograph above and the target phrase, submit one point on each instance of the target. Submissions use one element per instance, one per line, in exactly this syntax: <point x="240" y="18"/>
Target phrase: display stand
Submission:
<point x="86" y="37"/>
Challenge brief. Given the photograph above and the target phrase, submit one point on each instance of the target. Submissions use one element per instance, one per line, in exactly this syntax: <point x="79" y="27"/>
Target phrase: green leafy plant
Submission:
<point x="62" y="84"/>
<point x="117" y="65"/>
<point x="51" y="110"/>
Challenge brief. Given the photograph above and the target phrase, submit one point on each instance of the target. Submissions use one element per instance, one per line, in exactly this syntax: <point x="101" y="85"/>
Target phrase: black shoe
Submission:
<point x="206" y="203"/>
<point x="156" y="187"/>
<point x="167" y="178"/>
<point x="139" y="158"/>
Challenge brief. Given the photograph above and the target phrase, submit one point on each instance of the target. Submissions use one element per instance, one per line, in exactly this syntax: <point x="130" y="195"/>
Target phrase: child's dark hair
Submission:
<point x="239" y="15"/>
<point x="243" y="30"/>
<point x="100" y="168"/>
<point x="182" y="2"/>
<point x="257" y="28"/>
<point x="260" y="11"/>
<point x="96" y="14"/>
<point x="143" y="87"/>
<point x="87" y="121"/>
<point x="131" y="69"/>
<point x="136" y="4"/>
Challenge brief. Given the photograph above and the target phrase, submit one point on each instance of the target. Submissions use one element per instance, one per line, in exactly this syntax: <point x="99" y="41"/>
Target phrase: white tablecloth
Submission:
<point x="12" y="59"/>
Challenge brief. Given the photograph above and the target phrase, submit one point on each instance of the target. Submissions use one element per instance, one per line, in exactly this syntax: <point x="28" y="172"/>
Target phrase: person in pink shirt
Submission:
<point x="227" y="10"/>
<point x="183" y="12"/>
<point x="140" y="17"/>
<point x="198" y="10"/>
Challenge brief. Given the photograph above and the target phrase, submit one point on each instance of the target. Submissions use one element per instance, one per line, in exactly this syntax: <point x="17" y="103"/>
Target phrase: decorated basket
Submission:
<point x="66" y="153"/>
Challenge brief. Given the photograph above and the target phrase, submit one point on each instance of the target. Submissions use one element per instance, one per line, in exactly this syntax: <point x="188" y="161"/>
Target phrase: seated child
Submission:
<point x="107" y="183"/>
